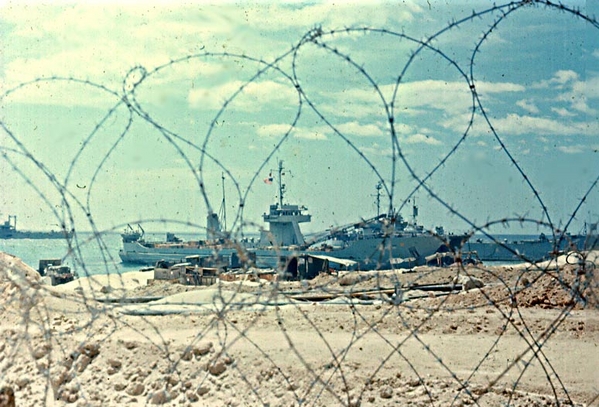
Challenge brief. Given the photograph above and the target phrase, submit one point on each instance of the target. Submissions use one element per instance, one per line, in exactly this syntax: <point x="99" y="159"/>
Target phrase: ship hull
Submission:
<point x="375" y="253"/>
<point x="529" y="250"/>
<point x="34" y="235"/>
<point x="369" y="253"/>
<point x="8" y="230"/>
<point x="137" y="253"/>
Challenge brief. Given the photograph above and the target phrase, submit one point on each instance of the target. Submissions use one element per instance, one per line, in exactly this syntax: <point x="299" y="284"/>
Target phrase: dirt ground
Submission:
<point x="528" y="337"/>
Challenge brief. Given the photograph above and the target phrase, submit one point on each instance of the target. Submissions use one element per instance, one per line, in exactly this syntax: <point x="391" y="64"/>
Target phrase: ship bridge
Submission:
<point x="284" y="227"/>
<point x="286" y="214"/>
<point x="283" y="220"/>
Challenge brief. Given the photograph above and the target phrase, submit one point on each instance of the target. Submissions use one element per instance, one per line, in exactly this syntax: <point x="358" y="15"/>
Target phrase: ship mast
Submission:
<point x="378" y="187"/>
<point x="281" y="185"/>
<point x="414" y="211"/>
<point x="222" y="213"/>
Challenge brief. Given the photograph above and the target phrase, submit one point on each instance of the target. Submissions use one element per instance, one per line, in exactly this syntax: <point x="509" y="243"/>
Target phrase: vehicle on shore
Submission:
<point x="56" y="272"/>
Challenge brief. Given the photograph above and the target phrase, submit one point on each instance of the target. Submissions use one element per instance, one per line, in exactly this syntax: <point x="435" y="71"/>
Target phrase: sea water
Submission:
<point x="86" y="253"/>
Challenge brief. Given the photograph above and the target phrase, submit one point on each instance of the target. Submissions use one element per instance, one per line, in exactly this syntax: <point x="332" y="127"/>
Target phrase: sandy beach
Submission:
<point x="528" y="337"/>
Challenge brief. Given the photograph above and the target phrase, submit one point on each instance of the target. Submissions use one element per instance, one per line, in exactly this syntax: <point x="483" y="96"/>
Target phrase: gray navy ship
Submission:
<point x="8" y="230"/>
<point x="384" y="241"/>
<point x="534" y="250"/>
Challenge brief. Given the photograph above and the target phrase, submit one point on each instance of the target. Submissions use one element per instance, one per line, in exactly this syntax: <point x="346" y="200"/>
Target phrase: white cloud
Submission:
<point x="50" y="90"/>
<point x="255" y="96"/>
<point x="571" y="90"/>
<point x="583" y="92"/>
<point x="458" y="121"/>
<point x="403" y="128"/>
<point x="578" y="101"/>
<point x="354" y="128"/>
<point x="442" y="95"/>
<point x="353" y="110"/>
<point x="575" y="92"/>
<point x="413" y="99"/>
<point x="143" y="22"/>
<point x="564" y="76"/>
<point x="528" y="105"/>
<point x="278" y="130"/>
<point x="515" y="124"/>
<point x="308" y="134"/>
<point x="563" y="112"/>
<point x="499" y="87"/>
<point x="331" y="14"/>
<point x="197" y="70"/>
<point x="99" y="42"/>
<point x="421" y="139"/>
<point x="559" y="79"/>
<point x="577" y="149"/>
<point x="349" y="129"/>
<point x="588" y="87"/>
<point x="378" y="150"/>
<point x="452" y="97"/>
<point x="61" y="92"/>
<point x="273" y="130"/>
<point x="543" y="139"/>
<point x="93" y="40"/>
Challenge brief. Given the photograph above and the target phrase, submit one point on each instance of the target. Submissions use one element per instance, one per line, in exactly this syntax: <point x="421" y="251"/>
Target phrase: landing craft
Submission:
<point x="8" y="230"/>
<point x="378" y="242"/>
<point x="534" y="250"/>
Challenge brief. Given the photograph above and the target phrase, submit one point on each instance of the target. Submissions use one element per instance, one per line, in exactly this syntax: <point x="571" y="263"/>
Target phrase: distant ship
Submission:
<point x="383" y="241"/>
<point x="534" y="250"/>
<point x="8" y="230"/>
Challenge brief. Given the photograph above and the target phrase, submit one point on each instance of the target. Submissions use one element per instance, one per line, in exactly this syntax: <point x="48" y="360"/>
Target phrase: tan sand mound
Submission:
<point x="60" y="346"/>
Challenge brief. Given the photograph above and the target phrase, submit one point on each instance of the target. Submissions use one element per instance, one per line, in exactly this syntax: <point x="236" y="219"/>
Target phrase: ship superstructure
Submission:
<point x="283" y="220"/>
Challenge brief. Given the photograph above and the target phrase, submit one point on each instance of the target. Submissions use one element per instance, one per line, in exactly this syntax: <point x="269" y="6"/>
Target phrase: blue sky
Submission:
<point x="323" y="108"/>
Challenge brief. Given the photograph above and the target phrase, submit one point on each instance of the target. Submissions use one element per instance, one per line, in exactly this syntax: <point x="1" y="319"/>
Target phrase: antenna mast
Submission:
<point x="378" y="187"/>
<point x="222" y="213"/>
<point x="281" y="185"/>
<point x="414" y="211"/>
